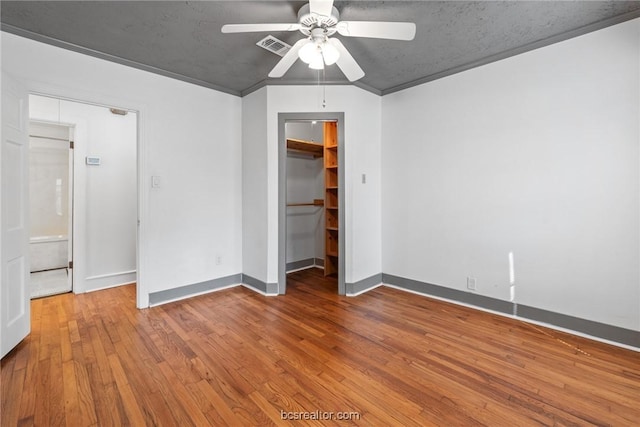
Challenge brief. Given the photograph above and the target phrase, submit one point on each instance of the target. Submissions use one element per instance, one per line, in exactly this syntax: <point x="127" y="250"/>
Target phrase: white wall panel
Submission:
<point x="189" y="136"/>
<point x="362" y="156"/>
<point x="537" y="155"/>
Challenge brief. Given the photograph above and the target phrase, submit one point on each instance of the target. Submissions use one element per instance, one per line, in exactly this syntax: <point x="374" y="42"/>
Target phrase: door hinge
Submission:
<point x="71" y="144"/>
<point x="71" y="265"/>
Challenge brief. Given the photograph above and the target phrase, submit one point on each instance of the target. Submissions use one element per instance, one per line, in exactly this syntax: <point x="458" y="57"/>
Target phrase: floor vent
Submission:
<point x="274" y="45"/>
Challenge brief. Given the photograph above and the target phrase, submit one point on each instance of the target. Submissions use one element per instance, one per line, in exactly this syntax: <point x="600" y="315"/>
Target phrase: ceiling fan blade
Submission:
<point x="288" y="59"/>
<point x="346" y="63"/>
<point x="321" y="7"/>
<point x="378" y="30"/>
<point x="252" y="28"/>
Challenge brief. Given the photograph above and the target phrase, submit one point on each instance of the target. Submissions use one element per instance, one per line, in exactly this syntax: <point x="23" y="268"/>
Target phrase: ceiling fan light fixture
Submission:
<point x="318" y="53"/>
<point x="329" y="53"/>
<point x="309" y="53"/>
<point x="317" y="63"/>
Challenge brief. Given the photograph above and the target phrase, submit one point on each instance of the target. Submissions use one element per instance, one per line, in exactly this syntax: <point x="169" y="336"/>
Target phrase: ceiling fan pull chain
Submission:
<point x="324" y="90"/>
<point x="318" y="84"/>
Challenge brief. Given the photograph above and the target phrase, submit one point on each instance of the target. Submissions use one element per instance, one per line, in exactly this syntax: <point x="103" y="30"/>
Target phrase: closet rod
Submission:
<point x="316" y="202"/>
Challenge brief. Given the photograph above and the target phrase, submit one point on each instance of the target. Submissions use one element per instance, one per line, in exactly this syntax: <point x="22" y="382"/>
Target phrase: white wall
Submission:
<point x="303" y="222"/>
<point x="105" y="196"/>
<point x="536" y="154"/>
<point x="362" y="156"/>
<point x="254" y="179"/>
<point x="188" y="135"/>
<point x="49" y="180"/>
<point x="307" y="131"/>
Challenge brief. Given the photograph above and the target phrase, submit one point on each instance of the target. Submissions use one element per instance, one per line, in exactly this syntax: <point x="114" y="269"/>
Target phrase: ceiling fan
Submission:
<point x="319" y="20"/>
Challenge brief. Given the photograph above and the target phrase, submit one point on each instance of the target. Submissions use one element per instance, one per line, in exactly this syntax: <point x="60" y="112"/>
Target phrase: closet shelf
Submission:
<point x="316" y="202"/>
<point x="306" y="147"/>
<point x="331" y="191"/>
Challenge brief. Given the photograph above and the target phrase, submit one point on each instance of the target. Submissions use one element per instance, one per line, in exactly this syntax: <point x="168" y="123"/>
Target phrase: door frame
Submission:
<point x="142" y="294"/>
<point x="283" y="118"/>
<point x="70" y="189"/>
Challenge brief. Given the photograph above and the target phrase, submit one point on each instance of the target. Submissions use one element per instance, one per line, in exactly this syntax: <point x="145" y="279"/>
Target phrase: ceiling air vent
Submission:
<point x="274" y="45"/>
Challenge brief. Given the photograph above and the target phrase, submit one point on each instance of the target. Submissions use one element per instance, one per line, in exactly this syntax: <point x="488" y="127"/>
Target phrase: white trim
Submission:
<point x="307" y="267"/>
<point x="104" y="276"/>
<point x="365" y="290"/>
<point x="142" y="290"/>
<point x="464" y="304"/>
<point x="577" y="333"/>
<point x="295" y="270"/>
<point x="48" y="239"/>
<point x="521" y="319"/>
<point x="258" y="291"/>
<point x="209" y="291"/>
<point x="110" y="286"/>
<point x="107" y="281"/>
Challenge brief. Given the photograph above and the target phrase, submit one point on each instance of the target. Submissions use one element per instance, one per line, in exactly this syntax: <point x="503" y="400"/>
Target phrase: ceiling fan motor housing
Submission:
<point x="311" y="21"/>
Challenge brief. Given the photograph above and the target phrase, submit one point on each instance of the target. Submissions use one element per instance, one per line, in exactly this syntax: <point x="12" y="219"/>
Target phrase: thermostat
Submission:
<point x="93" y="161"/>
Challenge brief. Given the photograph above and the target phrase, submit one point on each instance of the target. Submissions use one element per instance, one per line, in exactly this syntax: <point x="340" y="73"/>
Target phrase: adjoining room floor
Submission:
<point x="236" y="357"/>
<point x="51" y="282"/>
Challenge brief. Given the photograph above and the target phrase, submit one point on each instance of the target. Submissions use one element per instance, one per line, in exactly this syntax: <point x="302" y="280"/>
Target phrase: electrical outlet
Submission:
<point x="471" y="283"/>
<point x="218" y="259"/>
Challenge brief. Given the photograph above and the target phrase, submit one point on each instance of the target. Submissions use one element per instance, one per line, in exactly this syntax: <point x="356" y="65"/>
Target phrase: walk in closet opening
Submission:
<point x="312" y="233"/>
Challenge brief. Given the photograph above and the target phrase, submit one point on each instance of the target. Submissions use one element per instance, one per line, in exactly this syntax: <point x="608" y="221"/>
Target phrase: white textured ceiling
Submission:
<point x="183" y="39"/>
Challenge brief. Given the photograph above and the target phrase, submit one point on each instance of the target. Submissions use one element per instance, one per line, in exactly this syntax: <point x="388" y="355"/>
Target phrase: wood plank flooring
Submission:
<point x="235" y="357"/>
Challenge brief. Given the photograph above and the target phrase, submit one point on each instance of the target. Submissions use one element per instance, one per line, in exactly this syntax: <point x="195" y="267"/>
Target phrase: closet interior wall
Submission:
<point x="305" y="194"/>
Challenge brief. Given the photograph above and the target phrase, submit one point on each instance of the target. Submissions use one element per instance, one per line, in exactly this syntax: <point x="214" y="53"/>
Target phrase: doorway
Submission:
<point x="311" y="195"/>
<point x="50" y="208"/>
<point x="103" y="204"/>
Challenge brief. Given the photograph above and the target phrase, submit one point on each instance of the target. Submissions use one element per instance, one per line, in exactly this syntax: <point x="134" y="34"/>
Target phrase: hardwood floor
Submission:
<point x="235" y="357"/>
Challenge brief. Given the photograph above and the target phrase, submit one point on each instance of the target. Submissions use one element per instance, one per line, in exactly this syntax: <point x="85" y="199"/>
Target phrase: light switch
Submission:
<point x="364" y="178"/>
<point x="155" y="182"/>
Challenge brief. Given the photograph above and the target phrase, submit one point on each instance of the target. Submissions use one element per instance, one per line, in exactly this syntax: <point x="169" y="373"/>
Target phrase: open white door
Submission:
<point x="15" y="321"/>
